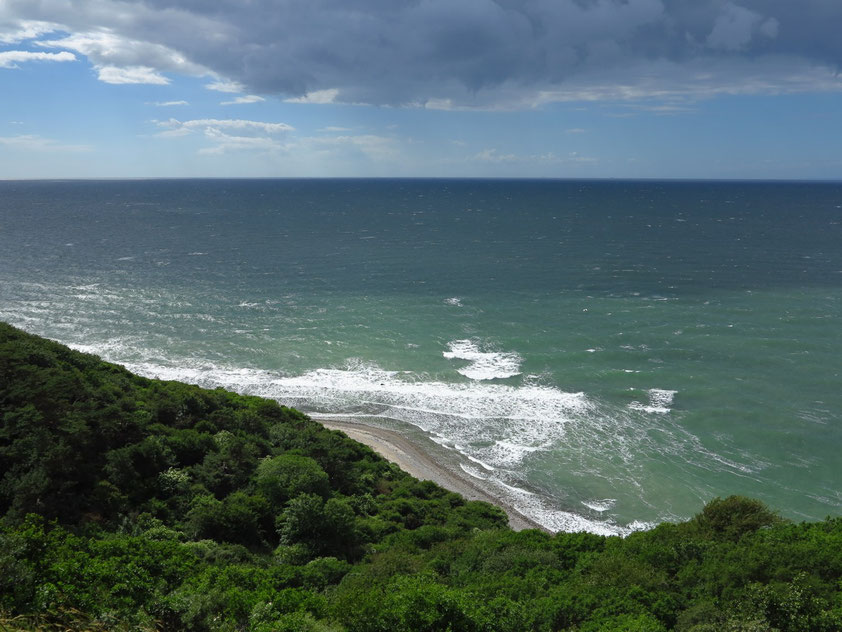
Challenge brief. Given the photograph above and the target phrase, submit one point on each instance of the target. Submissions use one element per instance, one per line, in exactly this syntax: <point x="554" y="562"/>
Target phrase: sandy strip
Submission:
<point x="412" y="460"/>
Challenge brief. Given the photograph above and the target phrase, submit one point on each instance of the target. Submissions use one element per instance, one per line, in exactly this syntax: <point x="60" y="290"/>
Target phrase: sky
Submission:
<point x="715" y="89"/>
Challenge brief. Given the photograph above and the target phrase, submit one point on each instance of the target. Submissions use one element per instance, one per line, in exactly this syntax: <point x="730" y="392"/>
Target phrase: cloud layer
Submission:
<point x="226" y="135"/>
<point x="11" y="58"/>
<point x="445" y="54"/>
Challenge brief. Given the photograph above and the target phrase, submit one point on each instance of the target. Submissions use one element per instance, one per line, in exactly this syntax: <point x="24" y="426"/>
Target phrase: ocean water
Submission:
<point x="602" y="354"/>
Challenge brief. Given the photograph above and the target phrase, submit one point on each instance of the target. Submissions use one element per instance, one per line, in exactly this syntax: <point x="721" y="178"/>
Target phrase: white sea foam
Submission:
<point x="648" y="409"/>
<point x="541" y="511"/>
<point x="494" y="425"/>
<point x="484" y="365"/>
<point x="474" y="472"/>
<point x="661" y="397"/>
<point x="600" y="505"/>
<point x="453" y="300"/>
<point x="482" y="464"/>
<point x="510" y="454"/>
<point x="660" y="401"/>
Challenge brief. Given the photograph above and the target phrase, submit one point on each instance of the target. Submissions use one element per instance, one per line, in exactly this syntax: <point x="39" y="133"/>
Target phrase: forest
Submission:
<point x="130" y="503"/>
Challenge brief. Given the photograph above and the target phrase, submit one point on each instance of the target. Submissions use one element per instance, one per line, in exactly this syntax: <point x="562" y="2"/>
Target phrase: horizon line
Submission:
<point x="420" y="178"/>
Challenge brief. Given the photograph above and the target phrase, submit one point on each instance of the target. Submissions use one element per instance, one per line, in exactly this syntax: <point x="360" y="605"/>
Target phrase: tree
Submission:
<point x="733" y="517"/>
<point x="288" y="475"/>
<point x="327" y="528"/>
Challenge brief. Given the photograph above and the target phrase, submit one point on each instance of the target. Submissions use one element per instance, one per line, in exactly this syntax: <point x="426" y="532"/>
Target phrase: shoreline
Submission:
<point x="396" y="448"/>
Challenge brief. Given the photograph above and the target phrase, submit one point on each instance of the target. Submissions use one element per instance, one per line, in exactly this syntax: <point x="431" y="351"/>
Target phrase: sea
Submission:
<point x="600" y="355"/>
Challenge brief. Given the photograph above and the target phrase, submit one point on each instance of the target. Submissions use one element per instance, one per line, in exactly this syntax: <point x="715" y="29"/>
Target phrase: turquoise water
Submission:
<point x="604" y="355"/>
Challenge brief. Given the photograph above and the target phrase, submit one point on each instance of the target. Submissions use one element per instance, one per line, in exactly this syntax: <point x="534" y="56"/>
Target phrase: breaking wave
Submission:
<point x="483" y="365"/>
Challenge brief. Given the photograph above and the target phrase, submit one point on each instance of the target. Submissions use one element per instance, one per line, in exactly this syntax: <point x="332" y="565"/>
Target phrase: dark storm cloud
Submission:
<point x="450" y="53"/>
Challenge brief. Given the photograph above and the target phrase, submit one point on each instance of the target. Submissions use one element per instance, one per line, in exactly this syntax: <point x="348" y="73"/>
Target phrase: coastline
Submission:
<point x="396" y="448"/>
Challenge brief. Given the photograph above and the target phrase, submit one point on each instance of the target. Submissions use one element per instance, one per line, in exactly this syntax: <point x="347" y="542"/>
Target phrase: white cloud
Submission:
<point x="439" y="104"/>
<point x="334" y="128"/>
<point x="249" y="98"/>
<point x="372" y="146"/>
<point x="491" y="155"/>
<point x="225" y="86"/>
<point x="224" y="143"/>
<point x="131" y="74"/>
<point x="240" y="124"/>
<point x="39" y="143"/>
<point x="575" y="156"/>
<point x="575" y="130"/>
<point x="124" y="60"/>
<point x="166" y="104"/>
<point x="174" y="132"/>
<point x="250" y="135"/>
<point x="663" y="108"/>
<point x="10" y="58"/>
<point x="24" y="30"/>
<point x="317" y="96"/>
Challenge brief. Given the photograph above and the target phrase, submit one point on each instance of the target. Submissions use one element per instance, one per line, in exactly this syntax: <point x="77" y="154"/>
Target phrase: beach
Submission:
<point x="414" y="461"/>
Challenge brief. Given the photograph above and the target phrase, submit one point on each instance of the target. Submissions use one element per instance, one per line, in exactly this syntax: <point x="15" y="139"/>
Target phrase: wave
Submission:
<point x="493" y="427"/>
<point x="600" y="505"/>
<point x="500" y="421"/>
<point x="660" y="401"/>
<point x="510" y="435"/>
<point x="484" y="365"/>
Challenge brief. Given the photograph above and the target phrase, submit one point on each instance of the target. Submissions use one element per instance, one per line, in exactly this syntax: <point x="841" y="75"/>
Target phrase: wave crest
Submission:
<point x="483" y="365"/>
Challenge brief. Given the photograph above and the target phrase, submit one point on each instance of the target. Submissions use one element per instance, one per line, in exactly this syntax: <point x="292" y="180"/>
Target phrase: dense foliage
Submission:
<point x="131" y="503"/>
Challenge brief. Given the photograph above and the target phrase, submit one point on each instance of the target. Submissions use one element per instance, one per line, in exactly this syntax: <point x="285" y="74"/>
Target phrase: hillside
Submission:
<point x="131" y="503"/>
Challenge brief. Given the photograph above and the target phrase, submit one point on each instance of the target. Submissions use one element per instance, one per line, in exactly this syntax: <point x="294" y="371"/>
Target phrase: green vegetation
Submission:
<point x="131" y="503"/>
